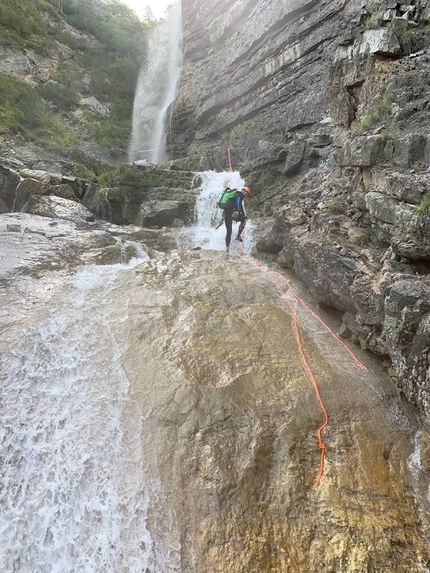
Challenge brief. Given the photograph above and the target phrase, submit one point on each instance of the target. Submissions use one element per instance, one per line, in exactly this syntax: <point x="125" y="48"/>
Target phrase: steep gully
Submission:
<point x="163" y="420"/>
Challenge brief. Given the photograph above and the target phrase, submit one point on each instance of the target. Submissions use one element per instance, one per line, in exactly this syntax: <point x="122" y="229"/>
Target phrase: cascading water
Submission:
<point x="75" y="488"/>
<point x="156" y="89"/>
<point x="206" y="232"/>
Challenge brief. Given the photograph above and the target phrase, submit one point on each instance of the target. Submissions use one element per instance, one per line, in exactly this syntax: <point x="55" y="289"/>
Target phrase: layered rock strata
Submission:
<point x="325" y="106"/>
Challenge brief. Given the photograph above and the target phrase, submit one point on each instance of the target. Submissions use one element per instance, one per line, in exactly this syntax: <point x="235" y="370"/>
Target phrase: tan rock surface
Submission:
<point x="215" y="418"/>
<point x="231" y="419"/>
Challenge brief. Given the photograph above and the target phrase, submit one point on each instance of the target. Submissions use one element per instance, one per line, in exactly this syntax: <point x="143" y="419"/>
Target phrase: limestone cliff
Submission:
<point x="325" y="106"/>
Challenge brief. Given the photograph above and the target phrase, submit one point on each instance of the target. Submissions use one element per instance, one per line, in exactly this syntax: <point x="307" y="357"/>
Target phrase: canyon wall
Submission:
<point x="325" y="106"/>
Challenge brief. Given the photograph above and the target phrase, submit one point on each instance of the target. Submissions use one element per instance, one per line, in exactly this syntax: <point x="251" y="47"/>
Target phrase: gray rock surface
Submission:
<point x="162" y="213"/>
<point x="327" y="119"/>
<point x="57" y="207"/>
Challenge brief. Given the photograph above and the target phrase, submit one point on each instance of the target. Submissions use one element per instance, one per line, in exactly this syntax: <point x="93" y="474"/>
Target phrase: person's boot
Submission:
<point x="238" y="237"/>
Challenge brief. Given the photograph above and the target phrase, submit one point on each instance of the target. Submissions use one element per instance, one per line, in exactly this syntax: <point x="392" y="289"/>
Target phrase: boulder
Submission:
<point x="416" y="385"/>
<point x="78" y="185"/>
<point x="295" y="153"/>
<point x="17" y="65"/>
<point x="43" y="177"/>
<point x="406" y="186"/>
<point x="411" y="239"/>
<point x="94" y="105"/>
<point x="65" y="191"/>
<point x="32" y="187"/>
<point x="406" y="230"/>
<point x="3" y="207"/>
<point x="382" y="207"/>
<point x="162" y="213"/>
<point x="363" y="151"/>
<point x="328" y="270"/>
<point x="27" y="188"/>
<point x="408" y="301"/>
<point x="411" y="150"/>
<point x="406" y="328"/>
<point x="57" y="207"/>
<point x="264" y="236"/>
<point x="381" y="41"/>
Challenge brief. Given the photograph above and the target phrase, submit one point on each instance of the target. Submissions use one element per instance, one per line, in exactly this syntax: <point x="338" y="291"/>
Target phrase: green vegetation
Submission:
<point x="334" y="208"/>
<point x="380" y="109"/>
<point x="114" y="129"/>
<point x="111" y="57"/>
<point x="393" y="136"/>
<point x="373" y="7"/>
<point x="25" y="112"/>
<point x="130" y="175"/>
<point x="20" y="22"/>
<point x="418" y="166"/>
<point x="115" y="60"/>
<point x="63" y="97"/>
<point x="370" y="22"/>
<point x="105" y="177"/>
<point x="85" y="173"/>
<point x="405" y="39"/>
<point x="423" y="209"/>
<point x="127" y="170"/>
<point x="394" y="325"/>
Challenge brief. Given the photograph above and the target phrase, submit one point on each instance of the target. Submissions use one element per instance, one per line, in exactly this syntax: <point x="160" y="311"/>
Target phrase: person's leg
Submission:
<point x="241" y="228"/>
<point x="229" y="227"/>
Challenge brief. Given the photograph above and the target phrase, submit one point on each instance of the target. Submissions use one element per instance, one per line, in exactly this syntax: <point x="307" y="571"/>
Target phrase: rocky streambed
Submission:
<point x="159" y="415"/>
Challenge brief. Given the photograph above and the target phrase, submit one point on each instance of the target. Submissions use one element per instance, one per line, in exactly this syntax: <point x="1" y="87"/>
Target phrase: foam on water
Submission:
<point x="204" y="233"/>
<point x="74" y="489"/>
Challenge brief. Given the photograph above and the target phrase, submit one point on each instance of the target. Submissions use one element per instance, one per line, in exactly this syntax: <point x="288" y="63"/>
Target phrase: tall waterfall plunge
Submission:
<point x="156" y="89"/>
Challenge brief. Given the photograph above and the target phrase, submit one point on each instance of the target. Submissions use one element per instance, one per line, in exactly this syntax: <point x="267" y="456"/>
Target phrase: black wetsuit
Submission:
<point x="240" y="215"/>
<point x="228" y="220"/>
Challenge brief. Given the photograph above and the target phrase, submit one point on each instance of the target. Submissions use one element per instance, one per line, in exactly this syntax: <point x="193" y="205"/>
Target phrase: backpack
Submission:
<point x="228" y="198"/>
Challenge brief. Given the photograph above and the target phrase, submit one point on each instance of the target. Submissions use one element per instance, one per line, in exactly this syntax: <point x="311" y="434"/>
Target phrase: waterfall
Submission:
<point x="208" y="232"/>
<point x="156" y="89"/>
<point x="75" y="486"/>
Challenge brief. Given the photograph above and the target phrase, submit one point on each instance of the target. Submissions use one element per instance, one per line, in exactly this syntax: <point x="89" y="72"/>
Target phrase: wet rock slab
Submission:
<point x="231" y="418"/>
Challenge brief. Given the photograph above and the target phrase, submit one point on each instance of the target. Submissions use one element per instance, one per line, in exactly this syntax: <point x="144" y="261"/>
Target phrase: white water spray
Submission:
<point x="75" y="489"/>
<point x="208" y="216"/>
<point x="156" y="89"/>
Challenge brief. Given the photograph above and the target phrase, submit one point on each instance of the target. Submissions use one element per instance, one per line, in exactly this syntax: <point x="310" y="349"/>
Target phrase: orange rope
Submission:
<point x="302" y="302"/>
<point x="274" y="276"/>
<point x="321" y="444"/>
<point x="230" y="166"/>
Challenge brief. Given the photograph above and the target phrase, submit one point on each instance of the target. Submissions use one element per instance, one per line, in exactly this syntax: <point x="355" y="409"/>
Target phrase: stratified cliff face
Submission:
<point x="253" y="74"/>
<point x="265" y="78"/>
<point x="325" y="106"/>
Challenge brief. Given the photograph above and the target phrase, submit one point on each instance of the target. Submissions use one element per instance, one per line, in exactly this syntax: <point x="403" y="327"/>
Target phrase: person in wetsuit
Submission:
<point x="234" y="211"/>
<point x="239" y="214"/>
